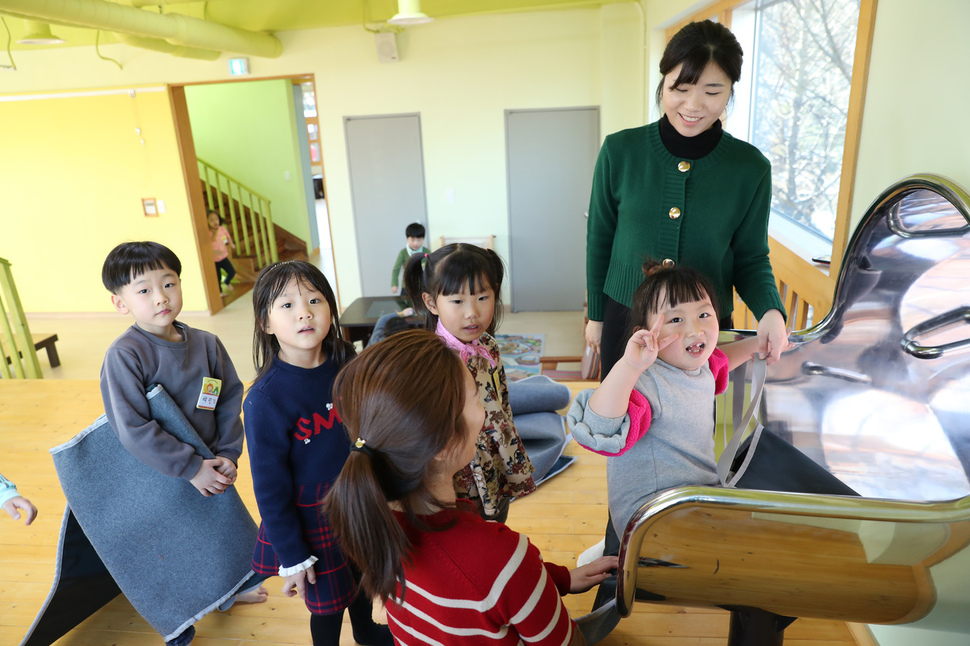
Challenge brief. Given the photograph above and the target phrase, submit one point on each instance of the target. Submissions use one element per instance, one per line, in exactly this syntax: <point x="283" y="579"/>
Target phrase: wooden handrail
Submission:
<point x="225" y="174"/>
<point x="262" y="243"/>
<point x="15" y="338"/>
<point x="802" y="285"/>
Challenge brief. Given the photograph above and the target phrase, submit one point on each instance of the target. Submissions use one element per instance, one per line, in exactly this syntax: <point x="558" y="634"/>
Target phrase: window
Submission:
<point x="800" y="100"/>
<point x="796" y="100"/>
<point x="309" y="99"/>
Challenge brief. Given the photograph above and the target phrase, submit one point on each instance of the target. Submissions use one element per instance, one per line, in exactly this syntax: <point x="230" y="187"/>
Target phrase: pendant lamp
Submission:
<point x="409" y="13"/>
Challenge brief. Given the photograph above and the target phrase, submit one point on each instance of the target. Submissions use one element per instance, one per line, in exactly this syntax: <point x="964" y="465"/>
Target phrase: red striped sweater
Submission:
<point x="478" y="582"/>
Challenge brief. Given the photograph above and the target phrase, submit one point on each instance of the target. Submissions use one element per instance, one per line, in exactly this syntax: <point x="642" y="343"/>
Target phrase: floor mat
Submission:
<point x="520" y="354"/>
<point x="561" y="464"/>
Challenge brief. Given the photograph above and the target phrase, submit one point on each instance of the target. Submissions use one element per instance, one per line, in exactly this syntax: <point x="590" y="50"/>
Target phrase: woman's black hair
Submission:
<point x="448" y="271"/>
<point x="667" y="286"/>
<point x="698" y="45"/>
<point x="270" y="283"/>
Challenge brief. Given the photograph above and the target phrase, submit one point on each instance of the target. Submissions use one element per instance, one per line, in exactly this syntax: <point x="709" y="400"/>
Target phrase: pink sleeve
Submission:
<point x="719" y="366"/>
<point x="640" y="416"/>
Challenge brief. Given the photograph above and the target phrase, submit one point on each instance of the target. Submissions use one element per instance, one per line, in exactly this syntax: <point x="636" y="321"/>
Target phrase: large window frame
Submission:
<point x="789" y="258"/>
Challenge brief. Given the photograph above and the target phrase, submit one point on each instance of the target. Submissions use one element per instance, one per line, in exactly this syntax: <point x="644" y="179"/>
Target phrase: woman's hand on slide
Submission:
<point x="772" y="336"/>
<point x="584" y="578"/>
<point x="594" y="334"/>
<point x="296" y="583"/>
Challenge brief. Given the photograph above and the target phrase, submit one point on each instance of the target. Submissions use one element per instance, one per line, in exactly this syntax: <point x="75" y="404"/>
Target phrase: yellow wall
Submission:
<point x="74" y="171"/>
<point x="460" y="74"/>
<point x="916" y="105"/>
<point x="915" y="122"/>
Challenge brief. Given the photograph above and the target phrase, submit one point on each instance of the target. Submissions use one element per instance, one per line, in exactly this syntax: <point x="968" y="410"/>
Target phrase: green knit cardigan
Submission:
<point x="710" y="214"/>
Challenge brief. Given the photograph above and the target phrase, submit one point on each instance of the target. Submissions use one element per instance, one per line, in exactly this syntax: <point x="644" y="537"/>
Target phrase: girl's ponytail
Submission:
<point x="402" y="405"/>
<point x="495" y="279"/>
<point x="366" y="527"/>
<point x="415" y="284"/>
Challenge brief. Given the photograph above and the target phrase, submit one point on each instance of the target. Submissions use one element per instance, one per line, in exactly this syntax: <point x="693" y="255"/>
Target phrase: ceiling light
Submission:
<point x="409" y="13"/>
<point x="39" y="33"/>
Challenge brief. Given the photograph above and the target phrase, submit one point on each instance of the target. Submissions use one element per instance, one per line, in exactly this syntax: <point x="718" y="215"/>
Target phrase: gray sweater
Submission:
<point x="665" y="441"/>
<point x="138" y="359"/>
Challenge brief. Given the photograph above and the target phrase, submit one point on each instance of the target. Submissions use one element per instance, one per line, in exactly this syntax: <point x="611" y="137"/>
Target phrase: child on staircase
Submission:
<point x="221" y="244"/>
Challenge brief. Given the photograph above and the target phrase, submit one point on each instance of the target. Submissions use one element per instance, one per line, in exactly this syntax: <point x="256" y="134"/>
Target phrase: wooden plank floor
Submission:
<point x="564" y="517"/>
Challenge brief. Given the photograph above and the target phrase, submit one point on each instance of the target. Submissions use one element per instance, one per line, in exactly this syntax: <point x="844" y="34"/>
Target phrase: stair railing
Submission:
<point x="16" y="344"/>
<point x="232" y="199"/>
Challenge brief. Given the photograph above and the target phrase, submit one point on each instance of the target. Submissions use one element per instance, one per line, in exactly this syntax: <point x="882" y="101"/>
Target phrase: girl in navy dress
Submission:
<point x="297" y="446"/>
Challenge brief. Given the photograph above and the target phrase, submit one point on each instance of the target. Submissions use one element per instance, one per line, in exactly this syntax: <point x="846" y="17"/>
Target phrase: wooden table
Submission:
<point x="360" y="317"/>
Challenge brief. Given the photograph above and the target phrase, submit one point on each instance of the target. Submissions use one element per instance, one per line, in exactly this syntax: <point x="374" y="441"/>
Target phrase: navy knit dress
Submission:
<point x="297" y="447"/>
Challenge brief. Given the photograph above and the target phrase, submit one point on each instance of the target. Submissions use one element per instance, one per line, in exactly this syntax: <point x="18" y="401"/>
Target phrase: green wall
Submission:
<point x="248" y="130"/>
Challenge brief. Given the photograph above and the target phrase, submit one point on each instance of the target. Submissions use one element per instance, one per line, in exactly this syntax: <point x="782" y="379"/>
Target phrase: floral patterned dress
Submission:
<point x="501" y="469"/>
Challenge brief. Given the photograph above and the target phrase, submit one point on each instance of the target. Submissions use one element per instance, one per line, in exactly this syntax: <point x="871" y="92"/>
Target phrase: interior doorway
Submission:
<point x="322" y="242"/>
<point x="260" y="132"/>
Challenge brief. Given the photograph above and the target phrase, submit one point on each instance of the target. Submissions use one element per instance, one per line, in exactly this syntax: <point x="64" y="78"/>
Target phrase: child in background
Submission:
<point x="446" y="576"/>
<point x="389" y="324"/>
<point x="653" y="415"/>
<point x="221" y="244"/>
<point x="143" y="278"/>
<point x="415" y="235"/>
<point x="459" y="287"/>
<point x="11" y="501"/>
<point x="297" y="446"/>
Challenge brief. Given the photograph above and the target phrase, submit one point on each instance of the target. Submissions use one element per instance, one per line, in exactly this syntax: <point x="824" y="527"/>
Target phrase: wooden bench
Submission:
<point x="45" y="342"/>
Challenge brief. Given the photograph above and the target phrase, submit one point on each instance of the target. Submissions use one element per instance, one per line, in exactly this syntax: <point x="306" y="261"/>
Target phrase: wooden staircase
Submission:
<point x="248" y="217"/>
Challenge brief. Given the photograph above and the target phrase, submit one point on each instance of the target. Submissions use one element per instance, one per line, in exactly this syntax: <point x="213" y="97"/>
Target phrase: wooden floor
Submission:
<point x="564" y="517"/>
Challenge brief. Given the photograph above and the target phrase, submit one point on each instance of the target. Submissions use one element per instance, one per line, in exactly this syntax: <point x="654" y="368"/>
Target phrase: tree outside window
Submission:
<point x="803" y="53"/>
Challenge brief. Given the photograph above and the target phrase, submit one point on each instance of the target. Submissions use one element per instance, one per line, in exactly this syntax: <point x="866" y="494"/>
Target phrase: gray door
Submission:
<point x="387" y="187"/>
<point x="551" y="155"/>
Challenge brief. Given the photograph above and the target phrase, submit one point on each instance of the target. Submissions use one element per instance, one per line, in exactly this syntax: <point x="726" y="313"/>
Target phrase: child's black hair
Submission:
<point x="667" y="285"/>
<point x="129" y="259"/>
<point x="216" y="213"/>
<point x="270" y="283"/>
<point x="448" y="271"/>
<point x="395" y="325"/>
<point x="414" y="230"/>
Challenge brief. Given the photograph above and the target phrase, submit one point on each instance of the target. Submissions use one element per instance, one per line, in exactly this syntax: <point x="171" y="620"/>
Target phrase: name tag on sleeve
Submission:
<point x="209" y="396"/>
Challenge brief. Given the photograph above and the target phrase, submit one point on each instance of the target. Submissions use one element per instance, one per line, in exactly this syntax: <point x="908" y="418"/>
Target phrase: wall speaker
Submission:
<point x="386" y="47"/>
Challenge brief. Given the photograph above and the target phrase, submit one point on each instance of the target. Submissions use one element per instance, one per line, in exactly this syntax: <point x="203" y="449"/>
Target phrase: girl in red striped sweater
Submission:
<point x="446" y="575"/>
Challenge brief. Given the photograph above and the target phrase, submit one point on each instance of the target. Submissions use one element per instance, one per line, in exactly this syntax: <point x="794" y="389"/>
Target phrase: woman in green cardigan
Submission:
<point x="681" y="190"/>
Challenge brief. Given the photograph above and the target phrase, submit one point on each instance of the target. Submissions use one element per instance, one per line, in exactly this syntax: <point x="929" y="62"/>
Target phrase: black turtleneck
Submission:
<point x="689" y="147"/>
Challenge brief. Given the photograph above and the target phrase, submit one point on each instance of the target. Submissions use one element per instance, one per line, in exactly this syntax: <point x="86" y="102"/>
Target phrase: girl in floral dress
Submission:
<point x="458" y="288"/>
